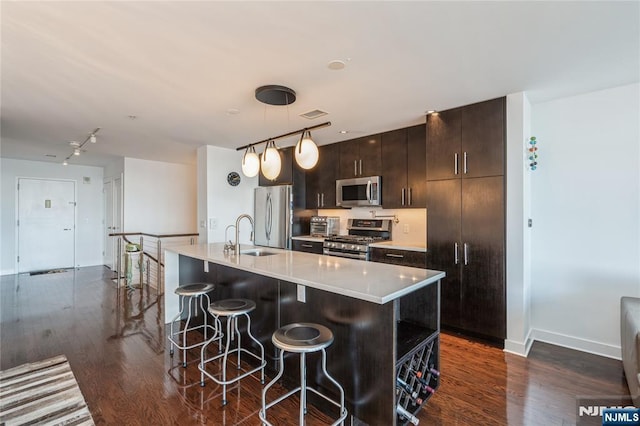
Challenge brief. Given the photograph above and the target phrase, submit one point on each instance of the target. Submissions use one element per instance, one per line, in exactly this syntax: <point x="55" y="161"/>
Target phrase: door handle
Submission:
<point x="403" y="196"/>
<point x="465" y="163"/>
<point x="67" y="229"/>
<point x="369" y="191"/>
<point x="355" y="167"/>
<point x="399" y="256"/>
<point x="306" y="245"/>
<point x="318" y="199"/>
<point x="466" y="254"/>
<point x="322" y="199"/>
<point x="455" y="163"/>
<point x="409" y="193"/>
<point x="360" y="167"/>
<point x="455" y="253"/>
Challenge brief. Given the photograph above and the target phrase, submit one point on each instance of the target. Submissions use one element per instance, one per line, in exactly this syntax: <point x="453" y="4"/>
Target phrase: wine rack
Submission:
<point x="417" y="379"/>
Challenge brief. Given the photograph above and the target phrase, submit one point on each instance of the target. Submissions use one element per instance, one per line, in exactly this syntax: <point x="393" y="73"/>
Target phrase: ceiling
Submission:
<point x="187" y="71"/>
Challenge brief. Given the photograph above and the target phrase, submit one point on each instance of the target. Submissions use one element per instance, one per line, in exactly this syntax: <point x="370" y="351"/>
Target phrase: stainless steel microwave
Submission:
<point x="364" y="191"/>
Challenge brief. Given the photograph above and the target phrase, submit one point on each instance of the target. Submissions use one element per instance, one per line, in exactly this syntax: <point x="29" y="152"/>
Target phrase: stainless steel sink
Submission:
<point x="257" y="252"/>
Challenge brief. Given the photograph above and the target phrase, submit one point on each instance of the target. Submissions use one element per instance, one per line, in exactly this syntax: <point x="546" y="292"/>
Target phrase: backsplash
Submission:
<point x="414" y="221"/>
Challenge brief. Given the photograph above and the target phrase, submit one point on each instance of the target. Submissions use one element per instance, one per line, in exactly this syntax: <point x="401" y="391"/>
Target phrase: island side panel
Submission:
<point x="362" y="356"/>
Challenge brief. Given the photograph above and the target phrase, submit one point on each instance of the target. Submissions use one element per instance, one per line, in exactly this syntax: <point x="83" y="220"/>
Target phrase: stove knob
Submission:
<point x="354" y="247"/>
<point x="343" y="246"/>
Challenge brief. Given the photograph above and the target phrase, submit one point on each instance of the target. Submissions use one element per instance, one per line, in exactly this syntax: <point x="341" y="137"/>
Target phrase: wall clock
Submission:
<point x="233" y="179"/>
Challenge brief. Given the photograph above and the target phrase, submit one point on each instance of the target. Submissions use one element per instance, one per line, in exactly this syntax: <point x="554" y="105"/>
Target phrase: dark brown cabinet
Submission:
<point x="307" y="246"/>
<point x="467" y="142"/>
<point x="466" y="216"/>
<point x="404" y="167"/>
<point x="321" y="180"/>
<point x="360" y="157"/>
<point x="416" y="259"/>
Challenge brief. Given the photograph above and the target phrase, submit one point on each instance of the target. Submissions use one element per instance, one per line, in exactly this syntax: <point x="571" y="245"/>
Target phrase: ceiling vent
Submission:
<point x="313" y="114"/>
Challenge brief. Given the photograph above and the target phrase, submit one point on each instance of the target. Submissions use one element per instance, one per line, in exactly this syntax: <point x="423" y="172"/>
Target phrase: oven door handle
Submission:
<point x="343" y="254"/>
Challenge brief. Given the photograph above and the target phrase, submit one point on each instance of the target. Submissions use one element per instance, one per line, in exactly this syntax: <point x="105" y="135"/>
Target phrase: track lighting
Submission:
<point x="78" y="146"/>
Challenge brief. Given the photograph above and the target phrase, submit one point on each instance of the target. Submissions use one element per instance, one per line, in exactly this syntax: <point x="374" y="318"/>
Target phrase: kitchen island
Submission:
<point x="385" y="318"/>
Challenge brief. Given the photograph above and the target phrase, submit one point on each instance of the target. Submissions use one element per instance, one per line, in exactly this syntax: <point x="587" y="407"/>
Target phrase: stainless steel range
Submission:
<point x="362" y="232"/>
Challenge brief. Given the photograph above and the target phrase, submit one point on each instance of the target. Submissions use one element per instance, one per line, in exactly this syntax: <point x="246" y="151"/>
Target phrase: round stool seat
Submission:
<point x="302" y="337"/>
<point x="194" y="289"/>
<point x="229" y="307"/>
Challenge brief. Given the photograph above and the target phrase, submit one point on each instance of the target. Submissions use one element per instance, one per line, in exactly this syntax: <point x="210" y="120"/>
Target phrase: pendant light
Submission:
<point x="306" y="151"/>
<point x="250" y="162"/>
<point x="271" y="162"/>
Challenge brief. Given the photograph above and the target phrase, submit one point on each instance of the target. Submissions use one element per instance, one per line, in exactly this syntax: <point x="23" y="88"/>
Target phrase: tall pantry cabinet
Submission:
<point x="466" y="215"/>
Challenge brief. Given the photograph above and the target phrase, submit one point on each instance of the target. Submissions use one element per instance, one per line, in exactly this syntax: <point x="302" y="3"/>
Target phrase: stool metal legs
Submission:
<point x="233" y="333"/>
<point x="303" y="388"/>
<point x="178" y="338"/>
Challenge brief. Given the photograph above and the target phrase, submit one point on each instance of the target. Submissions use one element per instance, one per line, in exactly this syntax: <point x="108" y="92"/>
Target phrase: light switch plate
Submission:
<point x="302" y="296"/>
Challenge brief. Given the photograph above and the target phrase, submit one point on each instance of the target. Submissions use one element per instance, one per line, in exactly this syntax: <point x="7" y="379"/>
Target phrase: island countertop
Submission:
<point x="369" y="281"/>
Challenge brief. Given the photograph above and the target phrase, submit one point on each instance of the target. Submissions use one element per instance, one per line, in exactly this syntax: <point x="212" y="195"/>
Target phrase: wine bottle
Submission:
<point x="413" y="394"/>
<point x="424" y="382"/>
<point x="407" y="415"/>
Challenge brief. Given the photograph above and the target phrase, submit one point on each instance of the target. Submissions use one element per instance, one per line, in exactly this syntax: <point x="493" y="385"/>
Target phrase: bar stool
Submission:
<point x="232" y="310"/>
<point x="302" y="338"/>
<point x="194" y="293"/>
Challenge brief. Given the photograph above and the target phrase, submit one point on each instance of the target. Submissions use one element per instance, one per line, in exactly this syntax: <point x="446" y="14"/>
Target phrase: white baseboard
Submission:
<point x="519" y="348"/>
<point x="7" y="271"/>
<point x="571" y="342"/>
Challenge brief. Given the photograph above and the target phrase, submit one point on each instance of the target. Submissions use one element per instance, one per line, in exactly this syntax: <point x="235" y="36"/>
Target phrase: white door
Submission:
<point x="46" y="224"/>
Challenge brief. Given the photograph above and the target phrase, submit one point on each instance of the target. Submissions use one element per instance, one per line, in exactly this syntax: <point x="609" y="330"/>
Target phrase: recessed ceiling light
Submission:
<point x="344" y="132"/>
<point x="233" y="111"/>
<point x="432" y="111"/>
<point x="336" y="65"/>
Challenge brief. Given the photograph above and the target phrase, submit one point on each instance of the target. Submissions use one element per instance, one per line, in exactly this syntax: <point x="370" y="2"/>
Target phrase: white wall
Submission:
<point x="518" y="209"/>
<point x="159" y="198"/>
<point x="115" y="169"/>
<point x="89" y="212"/>
<point x="586" y="217"/>
<point x="219" y="204"/>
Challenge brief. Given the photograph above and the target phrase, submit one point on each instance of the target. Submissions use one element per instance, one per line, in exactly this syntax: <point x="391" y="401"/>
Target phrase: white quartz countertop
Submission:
<point x="370" y="281"/>
<point x="400" y="246"/>
<point x="309" y="238"/>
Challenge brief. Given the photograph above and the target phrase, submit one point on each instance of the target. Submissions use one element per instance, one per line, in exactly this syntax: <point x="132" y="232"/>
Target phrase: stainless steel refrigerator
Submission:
<point x="273" y="216"/>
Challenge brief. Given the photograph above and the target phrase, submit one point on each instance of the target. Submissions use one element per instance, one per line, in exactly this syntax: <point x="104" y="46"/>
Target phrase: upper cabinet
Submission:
<point x="466" y="142"/>
<point x="404" y="167"/>
<point x="321" y="180"/>
<point x="360" y="157"/>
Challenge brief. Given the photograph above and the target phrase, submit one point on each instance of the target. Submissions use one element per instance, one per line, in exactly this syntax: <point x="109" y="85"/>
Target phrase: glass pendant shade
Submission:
<point x="271" y="162"/>
<point x="250" y="163"/>
<point x="306" y="151"/>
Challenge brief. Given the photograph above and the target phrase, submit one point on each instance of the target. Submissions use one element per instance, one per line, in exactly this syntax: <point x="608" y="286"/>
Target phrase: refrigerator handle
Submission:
<point x="267" y="217"/>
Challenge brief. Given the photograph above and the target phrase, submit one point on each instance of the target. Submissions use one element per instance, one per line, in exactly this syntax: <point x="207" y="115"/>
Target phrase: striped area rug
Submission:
<point x="42" y="393"/>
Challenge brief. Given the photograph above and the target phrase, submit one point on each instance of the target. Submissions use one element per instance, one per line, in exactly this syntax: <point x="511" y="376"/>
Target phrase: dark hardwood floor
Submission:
<point x="115" y="343"/>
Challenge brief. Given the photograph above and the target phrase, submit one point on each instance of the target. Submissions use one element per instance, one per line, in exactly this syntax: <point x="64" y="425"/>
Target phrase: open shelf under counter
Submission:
<point x="411" y="336"/>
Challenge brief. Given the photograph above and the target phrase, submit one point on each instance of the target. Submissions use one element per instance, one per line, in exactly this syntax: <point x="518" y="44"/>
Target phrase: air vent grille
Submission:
<point x="313" y="114"/>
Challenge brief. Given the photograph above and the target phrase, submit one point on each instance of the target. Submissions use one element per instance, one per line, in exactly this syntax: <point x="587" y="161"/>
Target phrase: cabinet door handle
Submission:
<point x="360" y="167"/>
<point x="318" y="199"/>
<point x="466" y="254"/>
<point x="306" y="245"/>
<point x="455" y="163"/>
<point x="465" y="163"/>
<point x="322" y="199"/>
<point x="409" y="192"/>
<point x="399" y="256"/>
<point x="455" y="254"/>
<point x="402" y="196"/>
<point x="355" y="167"/>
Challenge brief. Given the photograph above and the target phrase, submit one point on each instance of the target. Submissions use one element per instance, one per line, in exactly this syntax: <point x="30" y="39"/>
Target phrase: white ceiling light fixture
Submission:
<point x="250" y="162"/>
<point x="78" y="146"/>
<point x="306" y="151"/>
<point x="271" y="163"/>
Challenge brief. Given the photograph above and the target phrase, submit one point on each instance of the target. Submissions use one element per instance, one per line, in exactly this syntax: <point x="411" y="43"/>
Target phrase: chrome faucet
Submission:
<point x="237" y="247"/>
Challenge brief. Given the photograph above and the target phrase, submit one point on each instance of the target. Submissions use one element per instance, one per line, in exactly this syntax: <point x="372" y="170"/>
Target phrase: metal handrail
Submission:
<point x="123" y="236"/>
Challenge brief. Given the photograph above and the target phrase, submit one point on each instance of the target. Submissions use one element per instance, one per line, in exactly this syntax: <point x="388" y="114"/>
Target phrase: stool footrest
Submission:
<point x="171" y="337"/>
<point x="234" y="379"/>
